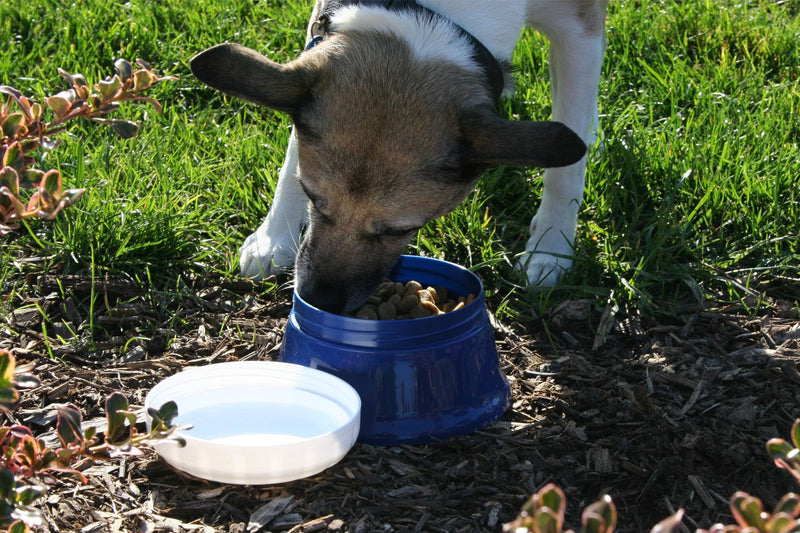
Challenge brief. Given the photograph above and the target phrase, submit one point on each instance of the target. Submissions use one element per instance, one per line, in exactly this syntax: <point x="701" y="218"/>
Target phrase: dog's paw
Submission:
<point x="541" y="269"/>
<point x="548" y="254"/>
<point x="261" y="256"/>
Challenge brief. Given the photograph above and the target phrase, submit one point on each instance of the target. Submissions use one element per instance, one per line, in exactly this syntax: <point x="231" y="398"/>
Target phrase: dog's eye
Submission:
<point x="319" y="212"/>
<point x="397" y="232"/>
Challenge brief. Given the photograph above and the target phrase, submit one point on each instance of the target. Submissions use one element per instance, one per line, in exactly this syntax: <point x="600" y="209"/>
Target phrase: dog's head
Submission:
<point x="386" y="143"/>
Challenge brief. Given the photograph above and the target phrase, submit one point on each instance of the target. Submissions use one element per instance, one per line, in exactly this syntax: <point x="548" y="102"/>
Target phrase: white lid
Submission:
<point x="258" y="422"/>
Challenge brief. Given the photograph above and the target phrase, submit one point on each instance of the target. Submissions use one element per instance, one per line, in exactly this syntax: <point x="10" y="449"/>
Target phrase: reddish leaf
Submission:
<point x="124" y="68"/>
<point x="789" y="504"/>
<point x="124" y="128"/>
<point x="14" y="157"/>
<point x="109" y="87"/>
<point x="31" y="178"/>
<point x="604" y="508"/>
<point x="7" y="364"/>
<point x="119" y="418"/>
<point x="71" y="196"/>
<point x="143" y="79"/>
<point x="18" y="526"/>
<point x="9" y="179"/>
<point x="747" y="510"/>
<point x="59" y="105"/>
<point x="13" y="125"/>
<point x="51" y="182"/>
<point x="68" y="425"/>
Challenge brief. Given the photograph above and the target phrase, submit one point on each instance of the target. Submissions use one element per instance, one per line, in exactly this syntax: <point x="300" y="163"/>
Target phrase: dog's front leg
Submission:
<point x="273" y="246"/>
<point x="576" y="56"/>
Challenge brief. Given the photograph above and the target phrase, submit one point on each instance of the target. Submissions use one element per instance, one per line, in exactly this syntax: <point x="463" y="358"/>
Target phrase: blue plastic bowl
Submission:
<point x="419" y="380"/>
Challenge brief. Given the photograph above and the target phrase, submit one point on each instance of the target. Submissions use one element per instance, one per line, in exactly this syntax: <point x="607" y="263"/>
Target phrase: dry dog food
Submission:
<point x="394" y="300"/>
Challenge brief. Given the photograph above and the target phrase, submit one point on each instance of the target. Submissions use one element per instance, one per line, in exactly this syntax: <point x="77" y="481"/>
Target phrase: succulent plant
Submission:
<point x="750" y="516"/>
<point x="27" y="463"/>
<point x="25" y="125"/>
<point x="787" y="455"/>
<point x="544" y="513"/>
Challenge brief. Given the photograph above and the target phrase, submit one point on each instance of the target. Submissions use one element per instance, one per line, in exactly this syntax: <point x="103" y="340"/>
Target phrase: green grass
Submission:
<point x="693" y="194"/>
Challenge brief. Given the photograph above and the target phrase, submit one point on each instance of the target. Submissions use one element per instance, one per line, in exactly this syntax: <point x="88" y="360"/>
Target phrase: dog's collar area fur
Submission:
<point x="481" y="55"/>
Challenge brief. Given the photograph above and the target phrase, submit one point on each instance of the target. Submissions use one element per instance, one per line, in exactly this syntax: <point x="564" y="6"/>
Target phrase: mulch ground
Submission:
<point x="659" y="413"/>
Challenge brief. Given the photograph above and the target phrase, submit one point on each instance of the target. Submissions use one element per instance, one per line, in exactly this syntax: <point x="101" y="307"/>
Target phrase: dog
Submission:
<point x="395" y="116"/>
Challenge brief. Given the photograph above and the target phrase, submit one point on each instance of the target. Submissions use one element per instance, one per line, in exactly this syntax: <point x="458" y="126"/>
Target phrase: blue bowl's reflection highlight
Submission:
<point x="419" y="380"/>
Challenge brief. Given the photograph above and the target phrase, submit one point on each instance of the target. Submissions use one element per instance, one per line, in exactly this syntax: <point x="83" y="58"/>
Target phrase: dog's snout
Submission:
<point x="325" y="296"/>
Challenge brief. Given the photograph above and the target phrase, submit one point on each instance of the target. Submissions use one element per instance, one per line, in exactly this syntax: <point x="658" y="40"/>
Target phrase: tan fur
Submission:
<point x="365" y="159"/>
<point x="384" y="141"/>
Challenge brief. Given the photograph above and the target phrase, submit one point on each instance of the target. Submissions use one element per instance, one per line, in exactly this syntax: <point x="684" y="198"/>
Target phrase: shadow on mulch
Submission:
<point x="659" y="415"/>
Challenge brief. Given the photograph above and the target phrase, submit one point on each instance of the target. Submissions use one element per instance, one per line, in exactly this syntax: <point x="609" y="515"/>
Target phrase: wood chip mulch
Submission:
<point x="659" y="413"/>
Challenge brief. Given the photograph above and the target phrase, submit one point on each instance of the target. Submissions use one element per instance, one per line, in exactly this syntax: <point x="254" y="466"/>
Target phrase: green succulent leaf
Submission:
<point x="124" y="128"/>
<point x="553" y="497"/>
<point x="120" y="418"/>
<point x="71" y="196"/>
<point x="22" y="102"/>
<point x="36" y="112"/>
<point x="604" y="507"/>
<point x="593" y="523"/>
<point x="144" y="64"/>
<point x="747" y="510"/>
<point x="780" y="523"/>
<point x="796" y="433"/>
<point x="9" y="179"/>
<point x="109" y="87"/>
<point x="79" y="80"/>
<point x="143" y="79"/>
<point x="51" y="182"/>
<point x="164" y="415"/>
<point x="7" y="485"/>
<point x="68" y="425"/>
<point x="18" y="526"/>
<point x="7" y="365"/>
<point x="14" y="157"/>
<point x="11" y="91"/>
<point x="547" y="521"/>
<point x="789" y="504"/>
<point x="67" y="76"/>
<point x="28" y="494"/>
<point x="9" y="398"/>
<point x="779" y="448"/>
<point x="59" y="105"/>
<point x="124" y="68"/>
<point x="13" y="124"/>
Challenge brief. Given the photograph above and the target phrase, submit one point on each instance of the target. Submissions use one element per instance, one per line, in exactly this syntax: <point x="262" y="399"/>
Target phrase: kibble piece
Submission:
<point x="413" y="287"/>
<point x="407" y="303"/>
<point x="368" y="312"/>
<point x="419" y="312"/>
<point x="387" y="311"/>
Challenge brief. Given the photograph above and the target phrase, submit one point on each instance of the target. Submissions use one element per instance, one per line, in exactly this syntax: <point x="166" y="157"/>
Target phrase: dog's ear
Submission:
<point x="242" y="72"/>
<point x="493" y="140"/>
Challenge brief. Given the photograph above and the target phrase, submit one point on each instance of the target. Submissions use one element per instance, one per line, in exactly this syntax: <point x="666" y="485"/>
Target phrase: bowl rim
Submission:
<point x="353" y="411"/>
<point x="324" y="318"/>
